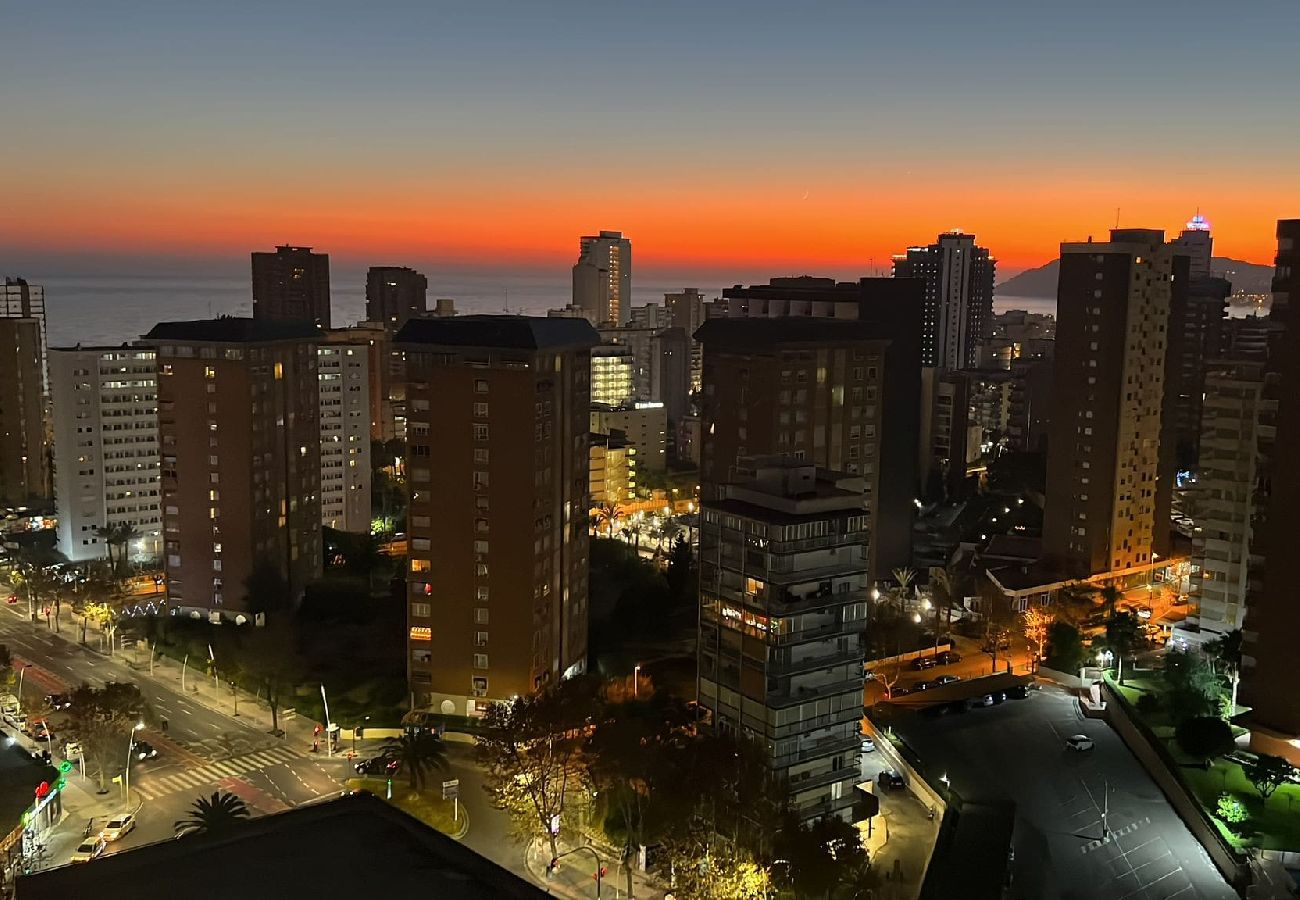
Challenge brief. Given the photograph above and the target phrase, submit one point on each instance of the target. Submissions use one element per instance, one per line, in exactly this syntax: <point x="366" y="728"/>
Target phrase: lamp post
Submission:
<point x="22" y="670"/>
<point x="636" y="677"/>
<point x="329" y="725"/>
<point x="1151" y="584"/>
<point x="130" y="752"/>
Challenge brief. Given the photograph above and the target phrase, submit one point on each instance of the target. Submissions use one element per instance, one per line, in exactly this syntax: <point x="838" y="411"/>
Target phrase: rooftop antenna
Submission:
<point x="1117" y="217"/>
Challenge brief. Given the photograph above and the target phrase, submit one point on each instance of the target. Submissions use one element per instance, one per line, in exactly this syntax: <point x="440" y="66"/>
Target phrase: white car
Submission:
<point x="90" y="848"/>
<point x="1144" y="613"/>
<point x="118" y="827"/>
<point x="868" y="745"/>
<point x="1079" y="742"/>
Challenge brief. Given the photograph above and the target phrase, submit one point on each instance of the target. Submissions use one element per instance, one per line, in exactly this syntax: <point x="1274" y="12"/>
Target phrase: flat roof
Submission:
<point x="508" y="332"/>
<point x="358" y="844"/>
<point x="234" y="330"/>
<point x="743" y="332"/>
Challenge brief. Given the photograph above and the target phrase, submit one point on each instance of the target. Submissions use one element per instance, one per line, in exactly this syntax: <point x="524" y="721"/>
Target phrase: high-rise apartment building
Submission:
<point x="24" y="300"/>
<point x="612" y="470"/>
<point x="1110" y="463"/>
<point x="1197" y="244"/>
<point x="783" y="604"/>
<point x="645" y="425"/>
<point x="292" y="284"/>
<point x="395" y="294"/>
<point x="24" y="457"/>
<point x="1196" y="325"/>
<point x="343" y="371"/>
<point x="239" y="433"/>
<point x="1272" y="615"/>
<point x="498" y="470"/>
<point x="106" y="462"/>
<point x="602" y="278"/>
<point x="1236" y="446"/>
<point x="686" y="311"/>
<point x="612" y="370"/>
<point x="861" y="319"/>
<point x="958" y="312"/>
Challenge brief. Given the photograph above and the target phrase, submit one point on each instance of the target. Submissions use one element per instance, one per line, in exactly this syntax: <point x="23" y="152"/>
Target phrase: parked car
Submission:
<point x="1078" y="742"/>
<point x="947" y="679"/>
<point x="924" y="685"/>
<point x="949" y="656"/>
<point x="118" y="827"/>
<point x="923" y="662"/>
<point x="888" y="778"/>
<point x="1144" y="613"/>
<point x="40" y="731"/>
<point x="986" y="700"/>
<point x="145" y="750"/>
<point x="1018" y="691"/>
<point x="868" y="745"/>
<point x="899" y="692"/>
<point x="90" y="848"/>
<point x="378" y="766"/>
<point x="1003" y="644"/>
<point x="58" y="701"/>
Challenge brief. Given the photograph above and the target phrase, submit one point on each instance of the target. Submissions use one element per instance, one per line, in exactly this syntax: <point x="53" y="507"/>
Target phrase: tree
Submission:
<point x="999" y="615"/>
<point x="531" y="747"/>
<point x="221" y="813"/>
<point x="1192" y="687"/>
<point x="265" y="589"/>
<point x="268" y="657"/>
<point x="1268" y="773"/>
<point x="681" y="561"/>
<point x="121" y="536"/>
<point x="106" y="534"/>
<point x="1123" y="634"/>
<point x="417" y="751"/>
<point x="821" y="856"/>
<point x="625" y="756"/>
<point x="6" y="665"/>
<point x="1204" y="738"/>
<point x="101" y="720"/>
<point x="947" y="584"/>
<point x="1231" y="810"/>
<point x="1064" y="650"/>
<point x="1037" y="622"/>
<point x="1111" y="595"/>
<point x="1226" y="655"/>
<point x="609" y="514"/>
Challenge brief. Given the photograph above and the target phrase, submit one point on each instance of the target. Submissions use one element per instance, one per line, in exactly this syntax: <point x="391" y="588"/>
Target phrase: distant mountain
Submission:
<point x="1246" y="278"/>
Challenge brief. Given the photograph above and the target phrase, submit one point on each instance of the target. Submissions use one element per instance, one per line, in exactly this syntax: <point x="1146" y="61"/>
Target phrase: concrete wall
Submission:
<point x="908" y="657"/>
<point x="1073" y="682"/>
<point x="1134" y="735"/>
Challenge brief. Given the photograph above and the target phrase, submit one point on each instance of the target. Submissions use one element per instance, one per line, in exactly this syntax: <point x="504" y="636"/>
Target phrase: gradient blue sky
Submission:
<point x="814" y="135"/>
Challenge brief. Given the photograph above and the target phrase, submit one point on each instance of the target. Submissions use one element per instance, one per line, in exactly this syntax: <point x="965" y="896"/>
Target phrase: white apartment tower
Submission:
<point x="602" y="278"/>
<point x="105" y="406"/>
<point x="958" y="313"/>
<point x="612" y="370"/>
<point x="343" y="371"/>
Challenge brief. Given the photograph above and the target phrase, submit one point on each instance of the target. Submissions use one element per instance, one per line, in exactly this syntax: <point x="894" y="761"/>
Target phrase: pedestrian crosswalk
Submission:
<point x="205" y="776"/>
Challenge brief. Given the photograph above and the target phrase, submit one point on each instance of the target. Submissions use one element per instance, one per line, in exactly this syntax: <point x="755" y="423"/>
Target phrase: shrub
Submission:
<point x="1231" y="810"/>
<point x="1148" y="704"/>
<point x="1204" y="737"/>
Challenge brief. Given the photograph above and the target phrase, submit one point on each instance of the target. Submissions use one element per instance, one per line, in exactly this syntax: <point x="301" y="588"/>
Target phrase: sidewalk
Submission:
<point x="574" y="877"/>
<point x="911" y="835"/>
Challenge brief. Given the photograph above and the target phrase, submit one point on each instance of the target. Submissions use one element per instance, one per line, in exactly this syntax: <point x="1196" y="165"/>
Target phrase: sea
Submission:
<point x="113" y="309"/>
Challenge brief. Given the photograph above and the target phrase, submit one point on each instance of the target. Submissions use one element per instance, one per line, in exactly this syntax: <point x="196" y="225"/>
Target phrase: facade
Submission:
<point x="1196" y="325"/>
<point x="1236" y="451"/>
<point x="686" y="311"/>
<point x="958" y="278"/>
<point x="292" y="284"/>
<point x="498" y="470"/>
<point x="343" y="371"/>
<point x="602" y="278"/>
<point x="670" y="371"/>
<point x="1272" y="616"/>
<point x="239" y="434"/>
<point x="783" y="603"/>
<point x="394" y="295"/>
<point x="106" y="462"/>
<point x="24" y="300"/>
<point x="1110" y="455"/>
<point x="612" y="370"/>
<point x="887" y="310"/>
<point x="644" y="425"/>
<point x="24" y="457"/>
<point x="612" y="471"/>
<point x="1197" y="244"/>
<point x="947" y="432"/>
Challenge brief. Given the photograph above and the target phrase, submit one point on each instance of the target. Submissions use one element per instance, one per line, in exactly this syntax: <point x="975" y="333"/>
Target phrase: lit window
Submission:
<point x="421" y="633"/>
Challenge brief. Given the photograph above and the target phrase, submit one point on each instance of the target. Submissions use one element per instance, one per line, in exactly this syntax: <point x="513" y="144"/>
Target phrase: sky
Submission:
<point x="755" y="136"/>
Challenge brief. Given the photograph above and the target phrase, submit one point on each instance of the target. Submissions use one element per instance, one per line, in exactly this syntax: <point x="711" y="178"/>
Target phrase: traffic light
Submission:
<point x="553" y="865"/>
<point x="599" y="874"/>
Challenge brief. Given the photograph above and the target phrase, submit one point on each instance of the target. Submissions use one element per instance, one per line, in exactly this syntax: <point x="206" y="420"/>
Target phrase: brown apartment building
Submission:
<point x="498" y="472"/>
<point x="395" y="295"/>
<point x="805" y="389"/>
<point x="24" y="462"/>
<point x="1272" y="614"/>
<point x="1110" y="463"/>
<point x="292" y="284"/>
<point x="239" y="433"/>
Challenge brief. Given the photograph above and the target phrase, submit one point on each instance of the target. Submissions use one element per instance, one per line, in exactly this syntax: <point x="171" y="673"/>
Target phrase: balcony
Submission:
<point x="808" y="664"/>
<point x="781" y="699"/>
<point x="826" y="747"/>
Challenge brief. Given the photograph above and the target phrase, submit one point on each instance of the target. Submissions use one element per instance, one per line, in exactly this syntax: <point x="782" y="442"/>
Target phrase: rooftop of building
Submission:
<point x="234" y="330"/>
<point x="101" y="348"/>
<point x="360" y="845"/>
<point x="755" y="333"/>
<point x="507" y="332"/>
<point x="784" y="491"/>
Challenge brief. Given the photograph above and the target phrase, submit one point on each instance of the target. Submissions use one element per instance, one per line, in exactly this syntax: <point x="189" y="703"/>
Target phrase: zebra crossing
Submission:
<point x="205" y="776"/>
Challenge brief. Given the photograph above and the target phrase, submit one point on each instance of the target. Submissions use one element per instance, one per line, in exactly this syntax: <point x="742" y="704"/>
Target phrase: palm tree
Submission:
<point x="417" y="751"/>
<point x="1110" y="597"/>
<point x="220" y="813"/>
<point x="122" y="535"/>
<point x="1226" y="653"/>
<point x="107" y="534"/>
<point x="609" y="513"/>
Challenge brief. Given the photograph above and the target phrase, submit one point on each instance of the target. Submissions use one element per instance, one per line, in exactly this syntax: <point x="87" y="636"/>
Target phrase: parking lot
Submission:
<point x="1089" y="824"/>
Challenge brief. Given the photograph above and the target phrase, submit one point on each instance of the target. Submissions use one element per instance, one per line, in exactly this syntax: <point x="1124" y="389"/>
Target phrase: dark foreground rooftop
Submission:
<point x="509" y="332"/>
<point x="233" y="330"/>
<point x="354" y="846"/>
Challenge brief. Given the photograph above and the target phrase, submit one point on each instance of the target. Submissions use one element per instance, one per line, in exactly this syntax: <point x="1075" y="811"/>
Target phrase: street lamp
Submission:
<point x="130" y="752"/>
<point x="636" y="677"/>
<point x="21" y="672"/>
